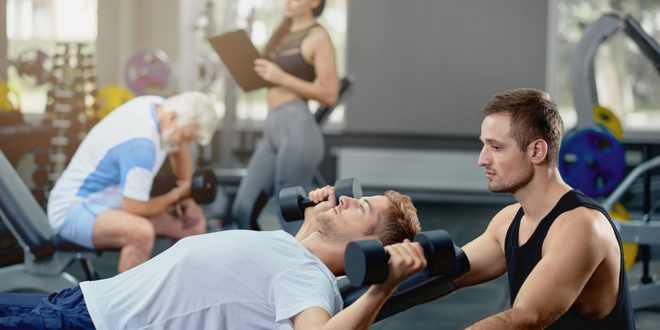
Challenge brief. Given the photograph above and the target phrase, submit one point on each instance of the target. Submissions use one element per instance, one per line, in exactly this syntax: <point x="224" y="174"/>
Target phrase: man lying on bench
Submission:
<point x="246" y="279"/>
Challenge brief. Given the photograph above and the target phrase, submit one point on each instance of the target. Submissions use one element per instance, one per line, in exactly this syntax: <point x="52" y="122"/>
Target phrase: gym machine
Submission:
<point x="603" y="163"/>
<point x="644" y="232"/>
<point x="45" y="255"/>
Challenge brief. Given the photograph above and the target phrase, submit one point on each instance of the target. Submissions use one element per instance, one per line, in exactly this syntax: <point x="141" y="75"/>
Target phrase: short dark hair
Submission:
<point x="398" y="222"/>
<point x="533" y="116"/>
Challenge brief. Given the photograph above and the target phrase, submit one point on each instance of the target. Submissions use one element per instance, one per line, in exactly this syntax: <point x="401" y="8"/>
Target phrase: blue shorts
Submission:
<point x="79" y="223"/>
<point x="63" y="310"/>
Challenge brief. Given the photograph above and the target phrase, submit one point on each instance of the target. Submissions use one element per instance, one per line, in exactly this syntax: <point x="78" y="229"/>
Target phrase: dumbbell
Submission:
<point x="294" y="200"/>
<point x="365" y="261"/>
<point x="202" y="185"/>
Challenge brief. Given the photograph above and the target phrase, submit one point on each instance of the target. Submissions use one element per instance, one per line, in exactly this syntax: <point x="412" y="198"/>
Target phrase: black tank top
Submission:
<point x="520" y="261"/>
<point x="287" y="54"/>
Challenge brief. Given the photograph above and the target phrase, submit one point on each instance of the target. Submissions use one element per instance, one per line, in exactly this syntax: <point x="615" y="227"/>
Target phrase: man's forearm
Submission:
<point x="182" y="164"/>
<point x="509" y="319"/>
<point x="362" y="313"/>
<point x="153" y="206"/>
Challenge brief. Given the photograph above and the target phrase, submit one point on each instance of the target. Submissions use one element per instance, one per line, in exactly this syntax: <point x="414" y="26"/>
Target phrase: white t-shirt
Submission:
<point x="236" y="279"/>
<point x="118" y="158"/>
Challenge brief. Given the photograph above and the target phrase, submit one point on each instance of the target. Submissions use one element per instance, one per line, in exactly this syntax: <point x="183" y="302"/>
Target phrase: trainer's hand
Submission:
<point x="269" y="71"/>
<point x="406" y="259"/>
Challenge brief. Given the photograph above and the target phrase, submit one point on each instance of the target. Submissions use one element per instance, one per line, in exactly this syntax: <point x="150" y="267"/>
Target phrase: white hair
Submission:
<point x="194" y="108"/>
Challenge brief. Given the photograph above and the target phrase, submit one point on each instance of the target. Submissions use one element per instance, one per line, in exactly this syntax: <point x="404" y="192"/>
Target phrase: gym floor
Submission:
<point x="456" y="311"/>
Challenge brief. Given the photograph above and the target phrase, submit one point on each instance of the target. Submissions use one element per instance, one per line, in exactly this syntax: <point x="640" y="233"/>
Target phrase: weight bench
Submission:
<point x="45" y="254"/>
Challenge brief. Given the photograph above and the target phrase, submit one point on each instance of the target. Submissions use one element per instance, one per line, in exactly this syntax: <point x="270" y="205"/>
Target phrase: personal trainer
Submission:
<point x="246" y="279"/>
<point x="102" y="201"/>
<point x="561" y="250"/>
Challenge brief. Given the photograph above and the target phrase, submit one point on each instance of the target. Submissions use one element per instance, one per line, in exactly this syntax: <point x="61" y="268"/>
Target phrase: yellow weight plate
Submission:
<point x="605" y="117"/>
<point x="8" y="98"/>
<point x="109" y="98"/>
<point x="620" y="213"/>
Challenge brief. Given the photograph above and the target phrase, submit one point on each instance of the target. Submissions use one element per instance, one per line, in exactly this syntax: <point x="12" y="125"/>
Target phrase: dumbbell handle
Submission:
<point x="203" y="185"/>
<point x="306" y="202"/>
<point x="294" y="200"/>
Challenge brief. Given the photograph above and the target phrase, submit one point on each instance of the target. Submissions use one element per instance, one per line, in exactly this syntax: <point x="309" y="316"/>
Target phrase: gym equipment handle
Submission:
<point x="294" y="200"/>
<point x="202" y="185"/>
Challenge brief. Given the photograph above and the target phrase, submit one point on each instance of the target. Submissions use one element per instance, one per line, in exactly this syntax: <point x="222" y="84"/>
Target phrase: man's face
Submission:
<point x="351" y="218"/>
<point x="507" y="167"/>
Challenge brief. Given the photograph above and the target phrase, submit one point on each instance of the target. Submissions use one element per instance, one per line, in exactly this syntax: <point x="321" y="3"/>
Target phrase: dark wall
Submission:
<point x="428" y="66"/>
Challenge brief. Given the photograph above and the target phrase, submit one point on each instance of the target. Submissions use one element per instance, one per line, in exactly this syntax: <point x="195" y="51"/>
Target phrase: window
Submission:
<point x="35" y="27"/>
<point x="626" y="80"/>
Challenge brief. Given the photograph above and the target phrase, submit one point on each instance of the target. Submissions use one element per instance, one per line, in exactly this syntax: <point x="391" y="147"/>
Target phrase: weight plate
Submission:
<point x="289" y="199"/>
<point x="110" y="98"/>
<point x="606" y="118"/>
<point x="35" y="66"/>
<point x="147" y="72"/>
<point x="592" y="160"/>
<point x="9" y="100"/>
<point x="619" y="212"/>
<point x="207" y="70"/>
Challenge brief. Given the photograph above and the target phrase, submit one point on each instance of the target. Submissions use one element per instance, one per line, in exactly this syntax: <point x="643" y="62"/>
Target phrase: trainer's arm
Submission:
<point x="486" y="252"/>
<point x="405" y="260"/>
<point x="572" y="252"/>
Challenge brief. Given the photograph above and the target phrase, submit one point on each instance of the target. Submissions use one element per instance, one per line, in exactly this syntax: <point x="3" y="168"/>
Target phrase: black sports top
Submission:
<point x="288" y="56"/>
<point x="520" y="261"/>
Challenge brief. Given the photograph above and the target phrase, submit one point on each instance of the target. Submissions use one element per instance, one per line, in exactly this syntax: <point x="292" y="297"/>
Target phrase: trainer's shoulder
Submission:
<point x="583" y="221"/>
<point x="500" y="223"/>
<point x="505" y="216"/>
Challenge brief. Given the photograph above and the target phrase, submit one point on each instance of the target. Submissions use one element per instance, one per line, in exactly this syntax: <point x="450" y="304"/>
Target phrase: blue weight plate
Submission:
<point x="592" y="160"/>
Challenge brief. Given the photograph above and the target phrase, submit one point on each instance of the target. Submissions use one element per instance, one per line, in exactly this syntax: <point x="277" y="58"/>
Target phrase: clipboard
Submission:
<point x="238" y="53"/>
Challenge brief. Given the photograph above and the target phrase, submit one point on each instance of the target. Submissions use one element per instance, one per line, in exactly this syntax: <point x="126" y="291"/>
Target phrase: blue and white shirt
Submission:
<point x="118" y="158"/>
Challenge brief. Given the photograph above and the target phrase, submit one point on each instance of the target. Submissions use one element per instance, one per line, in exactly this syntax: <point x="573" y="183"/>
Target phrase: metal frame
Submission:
<point x="638" y="231"/>
<point x="45" y="257"/>
<point x="585" y="97"/>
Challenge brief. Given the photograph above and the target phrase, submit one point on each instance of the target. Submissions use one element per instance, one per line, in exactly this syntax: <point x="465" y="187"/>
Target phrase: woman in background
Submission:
<point x="300" y="63"/>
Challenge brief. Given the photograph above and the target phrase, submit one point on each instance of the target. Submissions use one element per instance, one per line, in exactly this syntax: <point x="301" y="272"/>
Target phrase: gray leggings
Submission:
<point x="289" y="153"/>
